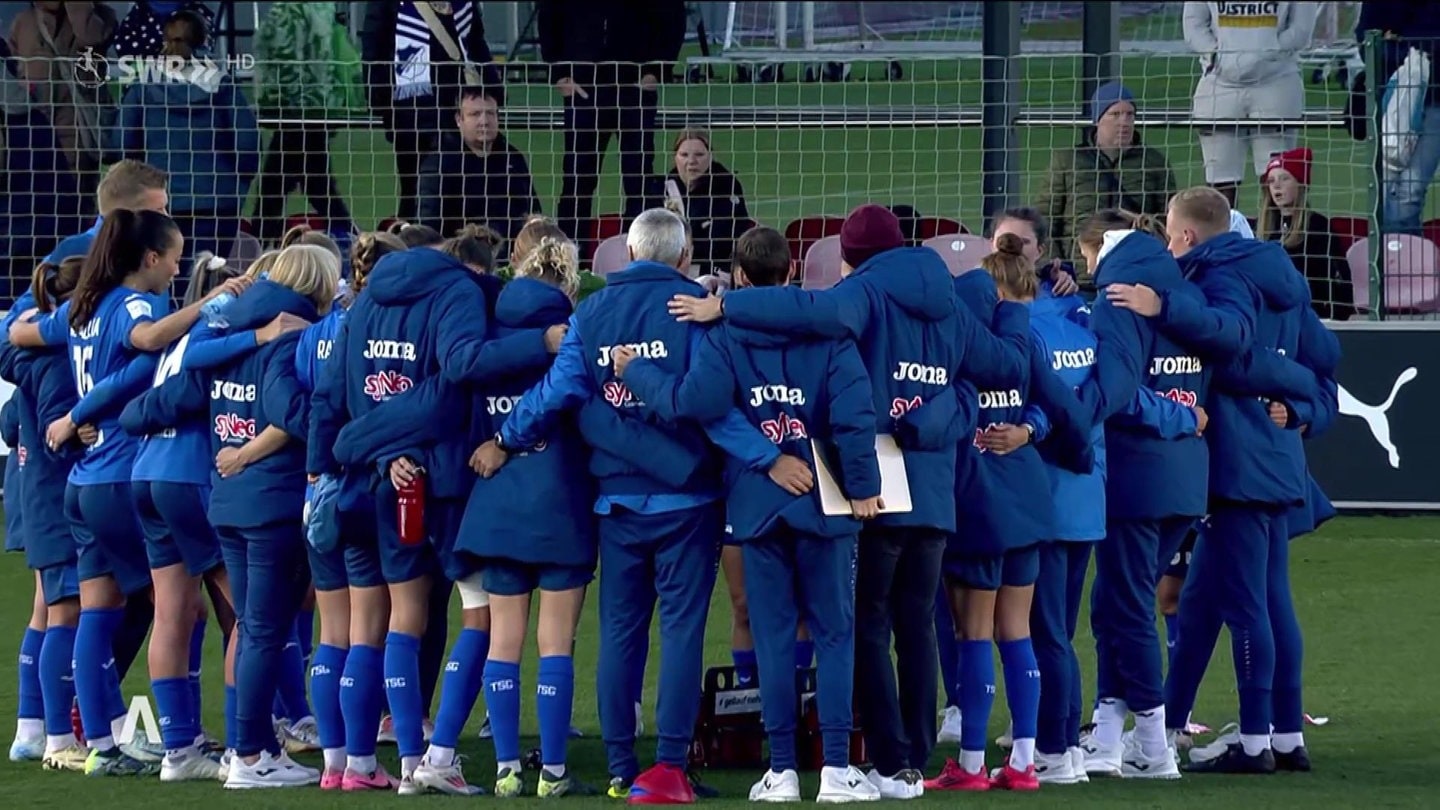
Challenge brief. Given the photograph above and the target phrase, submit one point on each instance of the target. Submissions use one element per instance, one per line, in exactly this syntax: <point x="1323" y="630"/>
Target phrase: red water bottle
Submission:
<point x="410" y="510"/>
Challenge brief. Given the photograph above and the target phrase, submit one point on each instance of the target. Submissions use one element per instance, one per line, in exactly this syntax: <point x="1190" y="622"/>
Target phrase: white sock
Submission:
<point x="101" y="743"/>
<point x="972" y="761"/>
<point x="512" y="764"/>
<point x="334" y="759"/>
<point x="440" y="757"/>
<point x="409" y="764"/>
<point x="1285" y="743"/>
<point x="1110" y="726"/>
<point x="1022" y="755"/>
<point x="557" y="771"/>
<point x="362" y="765"/>
<point x="28" y="728"/>
<point x="1150" y="732"/>
<point x="58" y="742"/>
<point x="1254" y="744"/>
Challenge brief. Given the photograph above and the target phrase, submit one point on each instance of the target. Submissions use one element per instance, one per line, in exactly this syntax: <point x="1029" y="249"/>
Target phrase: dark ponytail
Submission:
<point x="118" y="250"/>
<point x="210" y="272"/>
<point x="52" y="285"/>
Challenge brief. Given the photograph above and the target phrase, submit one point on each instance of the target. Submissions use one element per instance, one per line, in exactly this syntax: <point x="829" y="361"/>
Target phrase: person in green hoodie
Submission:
<point x="307" y="72"/>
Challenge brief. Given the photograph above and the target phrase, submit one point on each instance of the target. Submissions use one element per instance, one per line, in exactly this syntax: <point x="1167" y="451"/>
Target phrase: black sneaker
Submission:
<point x="1297" y="761"/>
<point x="1236" y="761"/>
<point x="702" y="790"/>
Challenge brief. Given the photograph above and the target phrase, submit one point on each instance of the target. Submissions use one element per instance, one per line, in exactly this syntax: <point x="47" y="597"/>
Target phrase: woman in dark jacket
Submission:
<point x="1286" y="217"/>
<point x="710" y="197"/>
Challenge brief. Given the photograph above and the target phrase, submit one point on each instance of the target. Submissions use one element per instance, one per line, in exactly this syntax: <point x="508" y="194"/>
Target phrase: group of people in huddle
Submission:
<point x="290" y="440"/>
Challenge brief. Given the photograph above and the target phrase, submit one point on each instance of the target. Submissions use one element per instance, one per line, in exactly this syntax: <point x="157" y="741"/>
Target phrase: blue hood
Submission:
<point x="1264" y="264"/>
<point x="976" y="289"/>
<point x="184" y="94"/>
<point x="525" y="303"/>
<point x="260" y="304"/>
<point x="916" y="279"/>
<point x="1052" y="307"/>
<point x="760" y="340"/>
<point x="1138" y="258"/>
<point x="413" y="274"/>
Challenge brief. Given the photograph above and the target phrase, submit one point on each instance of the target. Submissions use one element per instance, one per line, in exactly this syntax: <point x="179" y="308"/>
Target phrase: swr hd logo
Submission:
<point x="93" y="70"/>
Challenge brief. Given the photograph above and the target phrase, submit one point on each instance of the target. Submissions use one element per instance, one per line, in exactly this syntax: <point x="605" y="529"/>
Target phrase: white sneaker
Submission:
<point x="1077" y="765"/>
<point x="1136" y="765"/>
<point x="949" y="725"/>
<point x="449" y="780"/>
<point x="1229" y="735"/>
<point x="845" y="785"/>
<point x="1054" y="769"/>
<point x="269" y="771"/>
<point x="27" y="749"/>
<point x="1103" y="760"/>
<point x="225" y="761"/>
<point x="902" y="785"/>
<point x="408" y="786"/>
<point x="776" y="787"/>
<point x="1007" y="740"/>
<point x="189" y="765"/>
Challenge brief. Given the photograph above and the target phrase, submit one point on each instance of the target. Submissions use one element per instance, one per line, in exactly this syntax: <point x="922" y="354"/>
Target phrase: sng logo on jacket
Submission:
<point x="618" y="394"/>
<point x="231" y="426"/>
<point x="382" y="385"/>
<point x="1377" y="416"/>
<point x="901" y="406"/>
<point x="1186" y="398"/>
<point x="783" y="429"/>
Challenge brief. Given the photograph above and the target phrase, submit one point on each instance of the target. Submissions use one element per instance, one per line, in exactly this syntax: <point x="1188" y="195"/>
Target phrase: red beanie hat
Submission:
<point x="1295" y="161"/>
<point x="869" y="231"/>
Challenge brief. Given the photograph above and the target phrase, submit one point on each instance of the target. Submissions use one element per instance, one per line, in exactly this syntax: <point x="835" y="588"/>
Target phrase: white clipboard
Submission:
<point x="894" y="482"/>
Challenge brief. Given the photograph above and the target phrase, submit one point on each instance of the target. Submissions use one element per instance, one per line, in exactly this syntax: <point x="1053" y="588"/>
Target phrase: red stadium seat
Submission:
<point x="931" y="227"/>
<point x="603" y="227"/>
<point x="246" y="226"/>
<point x="806" y="231"/>
<point x="1409" y="273"/>
<point x="1350" y="230"/>
<point x="821" y="269"/>
<point x="962" y="252"/>
<point x="1431" y="230"/>
<point x="610" y="256"/>
<point x="314" y="222"/>
<point x="386" y="223"/>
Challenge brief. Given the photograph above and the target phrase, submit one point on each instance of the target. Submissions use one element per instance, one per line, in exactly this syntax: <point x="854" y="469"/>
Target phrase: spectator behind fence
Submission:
<point x="142" y="32"/>
<point x="606" y="59"/>
<point x="53" y="41"/>
<point x="1109" y="168"/>
<point x="476" y="176"/>
<point x="1286" y="217"/>
<point x="198" y="127"/>
<point x="709" y="197"/>
<point x="414" y="70"/>
<point x="1407" y="26"/>
<point x="38" y="200"/>
<point x="1250" y="68"/>
<point x="305" y="72"/>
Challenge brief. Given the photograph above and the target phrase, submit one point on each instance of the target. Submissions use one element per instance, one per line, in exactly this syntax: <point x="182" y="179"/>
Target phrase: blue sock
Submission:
<point x="57" y="678"/>
<point x="197" y="659"/>
<point x="1172" y="635"/>
<point x="977" y="692"/>
<point x="325" y="676"/>
<point x="174" y="712"/>
<point x="804" y="653"/>
<point x="305" y="631"/>
<point x="32" y="700"/>
<point x="464" y="677"/>
<point x="402" y="689"/>
<point x="502" y="699"/>
<point x="232" y="725"/>
<point x="361" y="695"/>
<point x="95" y="669"/>
<point x="554" y="704"/>
<point x="745" y="667"/>
<point x="949" y="650"/>
<point x="292" y="681"/>
<point x="1022" y="686"/>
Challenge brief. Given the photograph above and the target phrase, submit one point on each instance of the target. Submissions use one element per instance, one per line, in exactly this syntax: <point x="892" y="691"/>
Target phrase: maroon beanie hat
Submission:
<point x="868" y="231"/>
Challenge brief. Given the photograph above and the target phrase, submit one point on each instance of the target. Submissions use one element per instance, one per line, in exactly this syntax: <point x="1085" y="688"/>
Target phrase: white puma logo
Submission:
<point x="1375" y="415"/>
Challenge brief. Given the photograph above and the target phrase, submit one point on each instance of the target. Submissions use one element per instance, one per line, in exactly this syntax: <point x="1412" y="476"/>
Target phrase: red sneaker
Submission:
<point x="662" y="784"/>
<point x="1010" y="778"/>
<point x="954" y="777"/>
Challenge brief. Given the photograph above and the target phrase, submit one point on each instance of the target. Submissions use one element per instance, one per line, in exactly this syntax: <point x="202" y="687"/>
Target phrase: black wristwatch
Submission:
<point x="499" y="440"/>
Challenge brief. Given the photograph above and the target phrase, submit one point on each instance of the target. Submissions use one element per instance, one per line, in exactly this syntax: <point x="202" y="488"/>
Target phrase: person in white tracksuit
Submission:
<point x="1249" y="57"/>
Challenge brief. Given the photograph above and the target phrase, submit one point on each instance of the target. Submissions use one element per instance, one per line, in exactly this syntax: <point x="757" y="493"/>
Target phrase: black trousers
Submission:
<point x="627" y="113"/>
<point x="411" y="147"/>
<point x="897" y="576"/>
<point x="298" y="157"/>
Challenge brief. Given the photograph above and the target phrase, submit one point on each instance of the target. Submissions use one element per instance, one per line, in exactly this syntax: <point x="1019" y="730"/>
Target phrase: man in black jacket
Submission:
<point x="414" y="83"/>
<point x="477" y="177"/>
<point x="606" y="59"/>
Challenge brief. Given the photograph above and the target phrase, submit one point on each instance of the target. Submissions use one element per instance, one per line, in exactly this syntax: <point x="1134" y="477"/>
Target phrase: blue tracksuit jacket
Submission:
<point x="794" y="392"/>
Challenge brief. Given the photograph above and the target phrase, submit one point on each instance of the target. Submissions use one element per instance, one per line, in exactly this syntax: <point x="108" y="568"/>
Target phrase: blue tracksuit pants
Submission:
<point x="789" y="576"/>
<point x="1054" y="613"/>
<point x="669" y="558"/>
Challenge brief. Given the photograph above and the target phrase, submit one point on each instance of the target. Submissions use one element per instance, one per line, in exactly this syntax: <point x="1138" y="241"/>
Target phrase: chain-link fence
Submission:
<point x="347" y="146"/>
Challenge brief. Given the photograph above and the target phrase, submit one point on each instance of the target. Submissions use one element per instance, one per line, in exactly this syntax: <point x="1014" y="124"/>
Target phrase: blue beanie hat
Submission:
<point x="1106" y="96"/>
